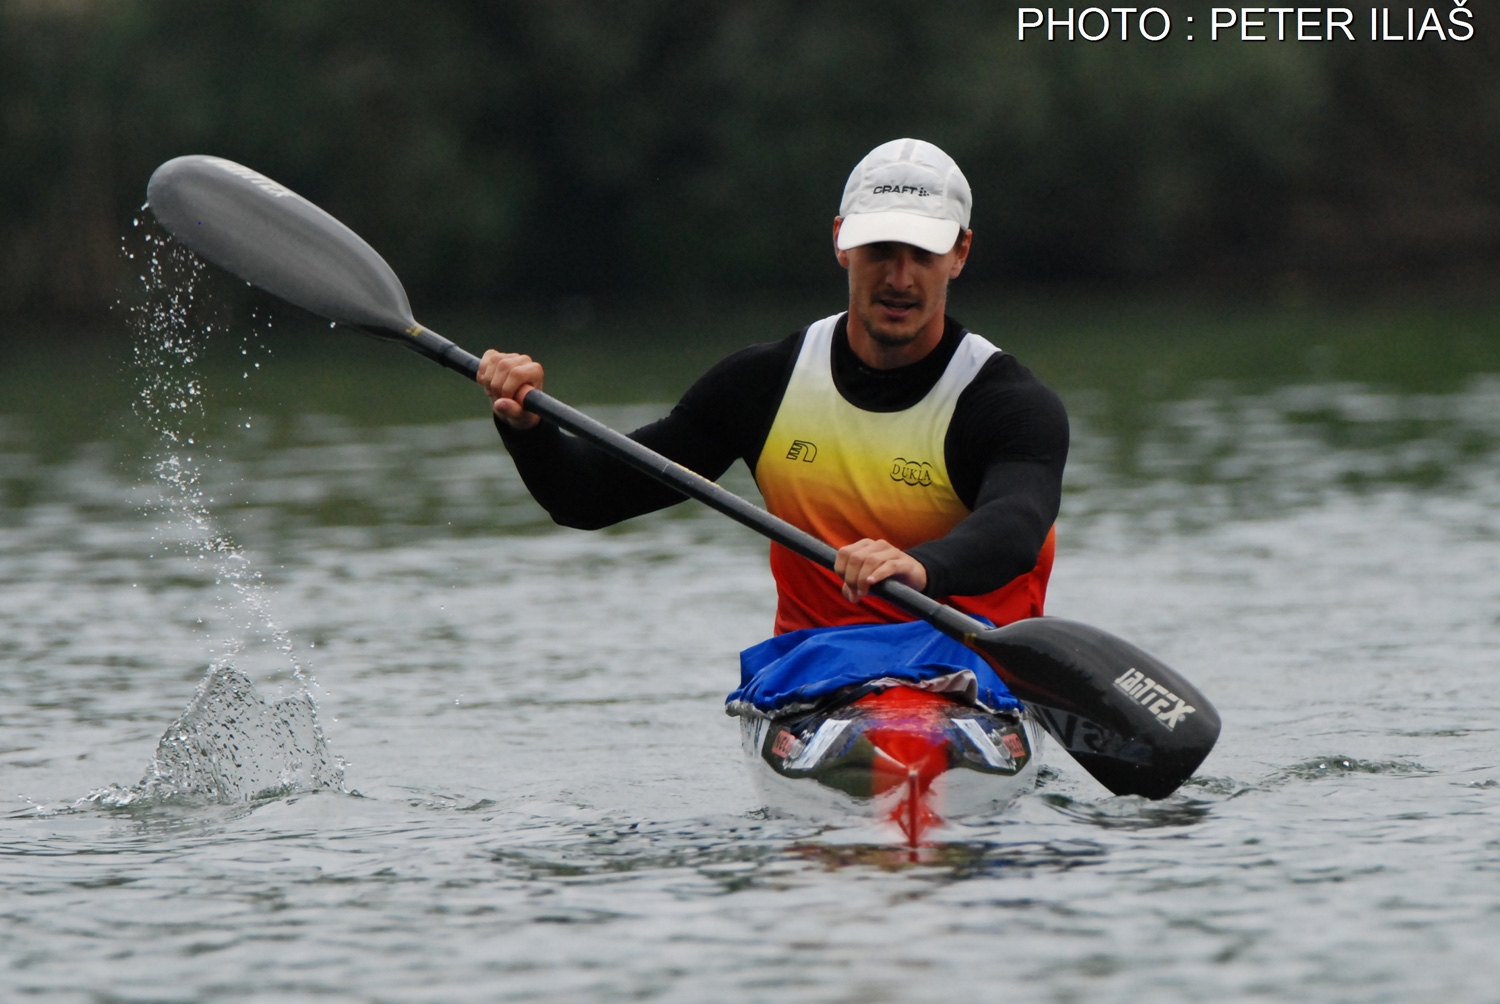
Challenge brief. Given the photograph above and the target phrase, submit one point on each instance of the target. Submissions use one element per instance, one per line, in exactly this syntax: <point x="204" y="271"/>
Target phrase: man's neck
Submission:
<point x="880" y="356"/>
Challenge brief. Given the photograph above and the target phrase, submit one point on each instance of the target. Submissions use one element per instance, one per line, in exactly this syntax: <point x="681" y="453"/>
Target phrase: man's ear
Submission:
<point x="961" y="247"/>
<point x="842" y="256"/>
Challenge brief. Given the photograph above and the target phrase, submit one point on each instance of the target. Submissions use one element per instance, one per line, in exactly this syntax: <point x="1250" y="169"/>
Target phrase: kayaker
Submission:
<point x="917" y="448"/>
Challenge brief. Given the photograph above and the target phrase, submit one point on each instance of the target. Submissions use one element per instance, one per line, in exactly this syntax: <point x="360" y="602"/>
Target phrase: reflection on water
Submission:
<point x="956" y="860"/>
<point x="1133" y="812"/>
<point x="552" y="804"/>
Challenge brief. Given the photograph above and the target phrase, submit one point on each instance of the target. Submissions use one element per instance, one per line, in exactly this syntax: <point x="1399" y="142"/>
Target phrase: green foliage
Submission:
<point x="523" y="151"/>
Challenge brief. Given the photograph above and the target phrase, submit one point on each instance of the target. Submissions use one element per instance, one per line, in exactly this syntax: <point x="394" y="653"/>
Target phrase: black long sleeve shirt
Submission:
<point x="1005" y="450"/>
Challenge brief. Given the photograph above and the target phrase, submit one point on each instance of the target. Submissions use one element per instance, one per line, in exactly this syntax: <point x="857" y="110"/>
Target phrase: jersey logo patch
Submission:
<point x="913" y="472"/>
<point x="802" y="450"/>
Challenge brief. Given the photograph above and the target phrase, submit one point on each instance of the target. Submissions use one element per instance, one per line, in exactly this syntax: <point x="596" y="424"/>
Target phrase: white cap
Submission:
<point x="906" y="190"/>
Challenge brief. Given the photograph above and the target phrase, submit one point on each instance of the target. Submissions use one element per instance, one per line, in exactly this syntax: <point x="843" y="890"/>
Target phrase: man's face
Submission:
<point x="897" y="289"/>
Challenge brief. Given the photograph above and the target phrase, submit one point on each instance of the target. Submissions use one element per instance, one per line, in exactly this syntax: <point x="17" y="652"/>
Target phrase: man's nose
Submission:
<point x="899" y="272"/>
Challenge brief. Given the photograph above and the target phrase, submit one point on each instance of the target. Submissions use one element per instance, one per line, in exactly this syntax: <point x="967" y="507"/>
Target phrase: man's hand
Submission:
<point x="506" y="377"/>
<point x="866" y="562"/>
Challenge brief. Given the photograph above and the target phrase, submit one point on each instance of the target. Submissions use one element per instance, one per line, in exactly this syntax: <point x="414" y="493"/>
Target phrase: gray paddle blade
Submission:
<point x="273" y="238"/>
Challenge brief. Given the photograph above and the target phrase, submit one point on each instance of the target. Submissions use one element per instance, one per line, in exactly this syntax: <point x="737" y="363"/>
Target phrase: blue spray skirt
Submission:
<point x="800" y="670"/>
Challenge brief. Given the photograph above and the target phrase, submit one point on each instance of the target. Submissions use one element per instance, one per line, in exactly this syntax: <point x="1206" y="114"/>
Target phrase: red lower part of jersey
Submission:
<point x="809" y="595"/>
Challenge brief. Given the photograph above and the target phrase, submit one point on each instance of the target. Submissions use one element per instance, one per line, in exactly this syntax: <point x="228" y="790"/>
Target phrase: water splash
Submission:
<point x="231" y="743"/>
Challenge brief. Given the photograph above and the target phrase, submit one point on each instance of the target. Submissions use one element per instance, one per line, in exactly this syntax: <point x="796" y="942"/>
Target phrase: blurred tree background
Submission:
<point x="532" y="151"/>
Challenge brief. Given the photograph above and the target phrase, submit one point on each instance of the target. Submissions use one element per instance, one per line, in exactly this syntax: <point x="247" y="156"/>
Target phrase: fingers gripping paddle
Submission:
<point x="1129" y="720"/>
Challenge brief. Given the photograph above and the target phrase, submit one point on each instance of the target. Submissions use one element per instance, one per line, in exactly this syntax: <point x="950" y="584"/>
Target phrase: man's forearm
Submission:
<point x="1000" y="539"/>
<point x="582" y="486"/>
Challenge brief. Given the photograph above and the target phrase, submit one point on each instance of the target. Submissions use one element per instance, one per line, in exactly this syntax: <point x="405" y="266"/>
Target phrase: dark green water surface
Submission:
<point x="540" y="798"/>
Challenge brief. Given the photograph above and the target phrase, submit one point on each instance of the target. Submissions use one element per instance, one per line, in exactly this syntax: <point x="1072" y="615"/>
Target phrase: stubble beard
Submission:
<point x="886" y="338"/>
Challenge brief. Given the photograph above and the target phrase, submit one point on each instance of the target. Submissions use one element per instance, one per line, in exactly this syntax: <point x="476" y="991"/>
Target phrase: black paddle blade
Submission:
<point x="273" y="238"/>
<point x="1127" y="718"/>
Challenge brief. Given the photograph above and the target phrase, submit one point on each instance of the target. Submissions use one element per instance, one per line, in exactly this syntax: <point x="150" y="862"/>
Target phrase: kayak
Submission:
<point x="907" y="758"/>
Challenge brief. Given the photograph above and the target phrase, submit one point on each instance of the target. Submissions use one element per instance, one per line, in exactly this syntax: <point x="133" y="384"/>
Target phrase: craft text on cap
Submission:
<point x="908" y="191"/>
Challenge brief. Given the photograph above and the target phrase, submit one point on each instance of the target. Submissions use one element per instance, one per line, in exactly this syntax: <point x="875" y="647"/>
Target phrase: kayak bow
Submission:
<point x="909" y="758"/>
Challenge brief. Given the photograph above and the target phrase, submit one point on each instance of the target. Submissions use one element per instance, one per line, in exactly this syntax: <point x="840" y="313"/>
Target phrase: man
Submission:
<point x="918" y="449"/>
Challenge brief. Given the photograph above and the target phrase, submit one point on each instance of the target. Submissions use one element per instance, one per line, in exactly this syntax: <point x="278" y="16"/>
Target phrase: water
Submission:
<point x="542" y="800"/>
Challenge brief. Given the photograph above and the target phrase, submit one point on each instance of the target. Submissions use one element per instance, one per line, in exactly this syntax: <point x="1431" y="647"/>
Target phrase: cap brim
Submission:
<point x="936" y="236"/>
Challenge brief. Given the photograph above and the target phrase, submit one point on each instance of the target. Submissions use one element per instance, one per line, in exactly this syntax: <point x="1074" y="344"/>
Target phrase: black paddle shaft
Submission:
<point x="1130" y="721"/>
<point x="945" y="618"/>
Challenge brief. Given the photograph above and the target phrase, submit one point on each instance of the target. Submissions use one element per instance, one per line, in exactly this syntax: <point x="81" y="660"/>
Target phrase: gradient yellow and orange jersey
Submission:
<point x="842" y="474"/>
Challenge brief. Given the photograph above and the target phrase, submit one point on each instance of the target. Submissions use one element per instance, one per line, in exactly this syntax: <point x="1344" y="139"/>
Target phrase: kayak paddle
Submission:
<point x="1127" y="718"/>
